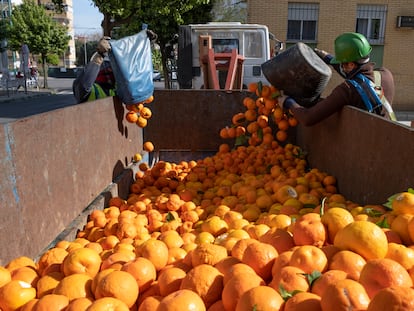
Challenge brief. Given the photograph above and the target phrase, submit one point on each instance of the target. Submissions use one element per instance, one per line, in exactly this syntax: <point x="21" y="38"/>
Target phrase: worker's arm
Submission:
<point x="327" y="57"/>
<point x="82" y="85"/>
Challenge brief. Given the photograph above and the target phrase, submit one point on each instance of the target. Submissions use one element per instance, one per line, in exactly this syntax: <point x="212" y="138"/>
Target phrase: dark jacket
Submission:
<point x="344" y="94"/>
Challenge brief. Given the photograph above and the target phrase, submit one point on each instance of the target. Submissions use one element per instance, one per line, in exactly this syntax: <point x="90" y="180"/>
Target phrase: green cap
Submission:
<point x="351" y="47"/>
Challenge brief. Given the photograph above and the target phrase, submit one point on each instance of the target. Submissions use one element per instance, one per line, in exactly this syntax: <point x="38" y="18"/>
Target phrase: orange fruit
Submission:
<point x="82" y="260"/>
<point x="349" y="262"/>
<point x="345" y="295"/>
<point x="401" y="254"/>
<point x="170" y="280"/>
<point x="381" y="273"/>
<point x="183" y="299"/>
<point x="334" y="219"/>
<point x="236" y="286"/>
<point x="155" y="251"/>
<point x="53" y="256"/>
<point x="260" y="256"/>
<point x="309" y="258"/>
<point x="120" y="285"/>
<point x="207" y="253"/>
<point x="29" y="306"/>
<point x="393" y="298"/>
<point x="53" y="302"/>
<point x="21" y="261"/>
<point x="401" y="225"/>
<point x="15" y="294"/>
<point x="240" y="246"/>
<point x="74" y="286"/>
<point x="206" y="281"/>
<point x="79" y="304"/>
<point x="145" y="112"/>
<point x="217" y="306"/>
<point x="281" y="261"/>
<point x="5" y="276"/>
<point x="143" y="270"/>
<point x="403" y="203"/>
<point x="262" y="298"/>
<point x="284" y="193"/>
<point x="280" y="239"/>
<point x="309" y="230"/>
<point x="148" y="146"/>
<point x="290" y="278"/>
<point x="47" y="283"/>
<point x="364" y="238"/>
<point x="131" y="117"/>
<point x="237" y="269"/>
<point x="281" y="135"/>
<point x="108" y="304"/>
<point x="26" y="274"/>
<point x="303" y="301"/>
<point x="150" y="303"/>
<point x="327" y="278"/>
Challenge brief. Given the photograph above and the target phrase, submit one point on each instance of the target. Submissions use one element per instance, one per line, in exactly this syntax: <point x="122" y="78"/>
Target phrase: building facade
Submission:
<point x="388" y="25"/>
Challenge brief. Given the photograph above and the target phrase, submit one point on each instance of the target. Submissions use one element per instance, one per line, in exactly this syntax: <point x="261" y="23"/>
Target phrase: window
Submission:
<point x="371" y="22"/>
<point x="302" y="21"/>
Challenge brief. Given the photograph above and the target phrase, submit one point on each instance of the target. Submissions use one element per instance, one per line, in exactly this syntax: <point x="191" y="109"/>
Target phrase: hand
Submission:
<point x="103" y="46"/>
<point x="321" y="53"/>
<point x="152" y="36"/>
<point x="285" y="102"/>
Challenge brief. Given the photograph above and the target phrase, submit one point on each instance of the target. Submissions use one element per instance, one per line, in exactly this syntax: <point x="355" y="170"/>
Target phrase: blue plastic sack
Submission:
<point x="131" y="63"/>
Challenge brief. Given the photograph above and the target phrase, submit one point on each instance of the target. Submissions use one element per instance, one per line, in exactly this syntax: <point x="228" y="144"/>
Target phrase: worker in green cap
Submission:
<point x="364" y="86"/>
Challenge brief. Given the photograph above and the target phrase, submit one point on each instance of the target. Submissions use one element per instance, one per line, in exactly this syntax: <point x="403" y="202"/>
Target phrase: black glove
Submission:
<point x="321" y="53"/>
<point x="103" y="46"/>
<point x="152" y="36"/>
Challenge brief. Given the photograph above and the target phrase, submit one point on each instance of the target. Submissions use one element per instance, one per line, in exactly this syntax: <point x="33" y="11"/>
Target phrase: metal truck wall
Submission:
<point x="55" y="164"/>
<point x="372" y="158"/>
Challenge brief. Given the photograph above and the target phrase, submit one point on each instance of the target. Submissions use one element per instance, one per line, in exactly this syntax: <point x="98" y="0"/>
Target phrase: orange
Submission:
<point x="5" y="276"/>
<point x="75" y="286"/>
<point x="290" y="278"/>
<point x="79" y="304"/>
<point x="148" y="146"/>
<point x="334" y="219"/>
<point x="21" y="261"/>
<point x="280" y="239"/>
<point x="217" y="306"/>
<point x="309" y="230"/>
<point x="381" y="273"/>
<point x="393" y="298"/>
<point x="170" y="280"/>
<point x="281" y="261"/>
<point x="284" y="193"/>
<point x="120" y="285"/>
<point x="236" y="286"/>
<point x="401" y="254"/>
<point x="207" y="253"/>
<point x="52" y="302"/>
<point x="401" y="225"/>
<point x="403" y="203"/>
<point x="82" y="260"/>
<point x="349" y="262"/>
<point x="237" y="269"/>
<point x="29" y="306"/>
<point x="145" y="112"/>
<point x="155" y="251"/>
<point x="262" y="298"/>
<point x="15" y="294"/>
<point x="240" y="246"/>
<point x="183" y="299"/>
<point x="226" y="264"/>
<point x="364" y="238"/>
<point x="150" y="303"/>
<point x="309" y="258"/>
<point x="327" y="278"/>
<point x="47" y="283"/>
<point x="26" y="274"/>
<point x="53" y="256"/>
<point x="345" y="295"/>
<point x="131" y="117"/>
<point x="206" y="281"/>
<point x="303" y="301"/>
<point x="260" y="256"/>
<point x="143" y="270"/>
<point x="108" y="304"/>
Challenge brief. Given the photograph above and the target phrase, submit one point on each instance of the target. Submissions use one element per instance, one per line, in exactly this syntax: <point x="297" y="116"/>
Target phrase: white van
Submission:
<point x="252" y="41"/>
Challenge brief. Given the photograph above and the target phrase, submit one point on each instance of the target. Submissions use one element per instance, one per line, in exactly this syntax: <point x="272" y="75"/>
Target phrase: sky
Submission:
<point x="86" y="17"/>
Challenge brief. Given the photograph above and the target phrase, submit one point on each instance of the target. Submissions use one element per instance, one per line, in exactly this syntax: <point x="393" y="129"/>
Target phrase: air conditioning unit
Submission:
<point x="405" y="21"/>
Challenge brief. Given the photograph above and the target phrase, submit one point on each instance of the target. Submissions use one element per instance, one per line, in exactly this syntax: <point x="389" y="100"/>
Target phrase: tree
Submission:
<point x="31" y="25"/>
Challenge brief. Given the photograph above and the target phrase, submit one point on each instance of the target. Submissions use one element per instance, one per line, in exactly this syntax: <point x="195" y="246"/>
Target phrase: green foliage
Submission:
<point x="53" y="59"/>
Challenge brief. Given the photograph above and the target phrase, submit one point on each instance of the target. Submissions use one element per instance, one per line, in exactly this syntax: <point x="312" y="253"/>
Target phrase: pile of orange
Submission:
<point x="263" y="120"/>
<point x="248" y="228"/>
